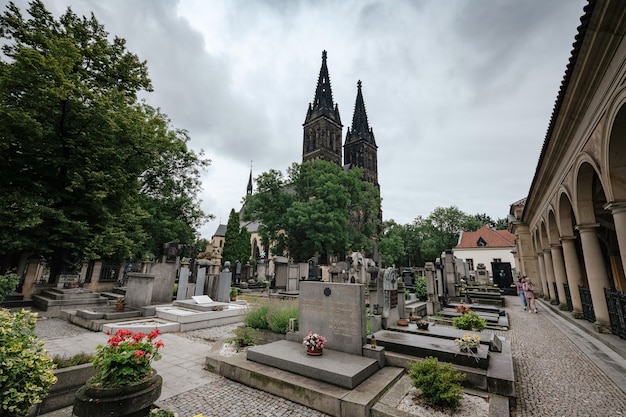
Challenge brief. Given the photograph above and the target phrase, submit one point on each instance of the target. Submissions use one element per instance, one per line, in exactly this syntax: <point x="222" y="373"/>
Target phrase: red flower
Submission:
<point x="139" y="353"/>
<point x="159" y="344"/>
<point x="138" y="336"/>
<point x="154" y="333"/>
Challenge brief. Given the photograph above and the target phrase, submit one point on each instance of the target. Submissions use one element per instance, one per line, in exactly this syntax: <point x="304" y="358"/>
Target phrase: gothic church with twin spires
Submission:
<point x="323" y="132"/>
<point x="322" y="140"/>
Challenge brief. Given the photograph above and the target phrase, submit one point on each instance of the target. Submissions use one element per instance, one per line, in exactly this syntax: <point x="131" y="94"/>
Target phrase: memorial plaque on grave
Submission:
<point x="336" y="311"/>
<point x="66" y="280"/>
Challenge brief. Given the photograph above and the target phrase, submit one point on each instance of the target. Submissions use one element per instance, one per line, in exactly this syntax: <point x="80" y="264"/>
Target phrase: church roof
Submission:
<point x="323" y="104"/>
<point x="360" y="126"/>
<point x="487" y="237"/>
<point x="221" y="231"/>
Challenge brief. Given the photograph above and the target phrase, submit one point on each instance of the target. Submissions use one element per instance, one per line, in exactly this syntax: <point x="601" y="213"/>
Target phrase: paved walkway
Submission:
<point x="563" y="368"/>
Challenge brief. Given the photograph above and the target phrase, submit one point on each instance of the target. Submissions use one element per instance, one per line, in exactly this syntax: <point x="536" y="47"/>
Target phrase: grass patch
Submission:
<point x="243" y="337"/>
<point x="65" y="361"/>
<point x="257" y="317"/>
<point x="272" y="315"/>
<point x="278" y="316"/>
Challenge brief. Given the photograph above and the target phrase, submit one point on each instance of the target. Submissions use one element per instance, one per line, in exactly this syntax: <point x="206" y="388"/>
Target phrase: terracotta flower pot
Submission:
<point x="314" y="352"/>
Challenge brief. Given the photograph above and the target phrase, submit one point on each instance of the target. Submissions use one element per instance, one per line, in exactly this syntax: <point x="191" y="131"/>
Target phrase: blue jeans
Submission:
<point x="523" y="297"/>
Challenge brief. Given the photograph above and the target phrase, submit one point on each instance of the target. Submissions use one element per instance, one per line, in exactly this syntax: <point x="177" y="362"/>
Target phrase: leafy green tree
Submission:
<point x="88" y="170"/>
<point x="392" y="243"/>
<point x="236" y="241"/>
<point x="319" y="208"/>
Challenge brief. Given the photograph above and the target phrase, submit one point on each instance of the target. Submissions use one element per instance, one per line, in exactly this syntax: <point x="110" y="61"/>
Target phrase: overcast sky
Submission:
<point x="459" y="93"/>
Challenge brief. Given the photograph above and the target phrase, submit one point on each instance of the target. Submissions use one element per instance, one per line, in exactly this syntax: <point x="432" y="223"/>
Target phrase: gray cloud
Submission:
<point x="459" y="93"/>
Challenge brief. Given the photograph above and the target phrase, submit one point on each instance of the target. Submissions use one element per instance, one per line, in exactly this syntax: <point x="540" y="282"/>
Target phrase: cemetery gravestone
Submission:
<point x="336" y="311"/>
<point x="200" y="280"/>
<point x="223" y="286"/>
<point x="139" y="290"/>
<point x="182" y="284"/>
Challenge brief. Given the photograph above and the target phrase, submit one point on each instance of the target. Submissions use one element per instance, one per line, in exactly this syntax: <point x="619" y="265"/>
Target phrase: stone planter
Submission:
<point x="128" y="401"/>
<point x="62" y="393"/>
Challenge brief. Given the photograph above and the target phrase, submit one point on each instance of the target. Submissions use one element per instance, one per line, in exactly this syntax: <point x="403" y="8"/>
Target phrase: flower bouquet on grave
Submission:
<point x="314" y="343"/>
<point x="468" y="343"/>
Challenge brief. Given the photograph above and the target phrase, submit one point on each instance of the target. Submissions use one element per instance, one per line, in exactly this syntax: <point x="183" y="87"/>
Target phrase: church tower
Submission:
<point x="322" y="126"/>
<point x="360" y="147"/>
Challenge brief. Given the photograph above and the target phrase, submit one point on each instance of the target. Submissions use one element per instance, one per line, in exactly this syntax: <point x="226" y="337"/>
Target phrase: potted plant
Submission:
<point x="463" y="309"/>
<point x="314" y="343"/>
<point x="468" y="343"/>
<point x="120" y="304"/>
<point x="233" y="293"/>
<point x="124" y="382"/>
<point x="422" y="324"/>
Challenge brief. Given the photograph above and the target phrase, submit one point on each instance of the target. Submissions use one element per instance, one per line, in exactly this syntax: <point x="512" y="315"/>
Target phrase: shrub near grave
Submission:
<point x="278" y="318"/>
<point x="8" y="283"/>
<point x="257" y="317"/>
<point x="469" y="321"/>
<point x="272" y="316"/>
<point x="439" y="383"/>
<point x="26" y="369"/>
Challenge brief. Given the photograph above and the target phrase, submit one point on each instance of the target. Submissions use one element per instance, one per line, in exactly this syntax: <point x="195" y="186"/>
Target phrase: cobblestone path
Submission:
<point x="554" y="377"/>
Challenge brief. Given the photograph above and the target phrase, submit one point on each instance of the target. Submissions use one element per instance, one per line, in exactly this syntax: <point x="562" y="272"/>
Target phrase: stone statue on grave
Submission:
<point x="227" y="266"/>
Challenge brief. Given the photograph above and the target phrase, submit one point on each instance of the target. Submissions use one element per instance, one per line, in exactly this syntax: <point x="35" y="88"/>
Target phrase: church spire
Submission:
<point x="360" y="147"/>
<point x="249" y="189"/>
<point x="323" y="102"/>
<point x="322" y="126"/>
<point x="360" y="126"/>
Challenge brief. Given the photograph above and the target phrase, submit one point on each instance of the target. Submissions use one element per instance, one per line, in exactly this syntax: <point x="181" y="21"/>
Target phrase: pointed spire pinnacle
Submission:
<point x="360" y="126"/>
<point x="323" y="102"/>
<point x="249" y="189"/>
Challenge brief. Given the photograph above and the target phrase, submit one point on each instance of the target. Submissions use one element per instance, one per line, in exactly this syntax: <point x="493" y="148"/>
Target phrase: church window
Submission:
<point x="481" y="243"/>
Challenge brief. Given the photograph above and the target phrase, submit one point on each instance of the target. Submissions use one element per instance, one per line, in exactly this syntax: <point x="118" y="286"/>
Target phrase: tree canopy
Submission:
<point x="89" y="171"/>
<point x="425" y="239"/>
<point x="236" y="241"/>
<point x="318" y="209"/>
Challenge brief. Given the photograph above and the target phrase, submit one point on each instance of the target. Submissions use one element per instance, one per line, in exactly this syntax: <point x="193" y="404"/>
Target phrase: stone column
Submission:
<point x="618" y="210"/>
<point x="597" y="275"/>
<point x="547" y="257"/>
<point x="432" y="303"/>
<point x="559" y="274"/>
<point x="573" y="273"/>
<point x="542" y="276"/>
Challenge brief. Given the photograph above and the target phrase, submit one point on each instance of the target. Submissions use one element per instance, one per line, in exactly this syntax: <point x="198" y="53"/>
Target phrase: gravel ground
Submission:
<point x="470" y="406"/>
